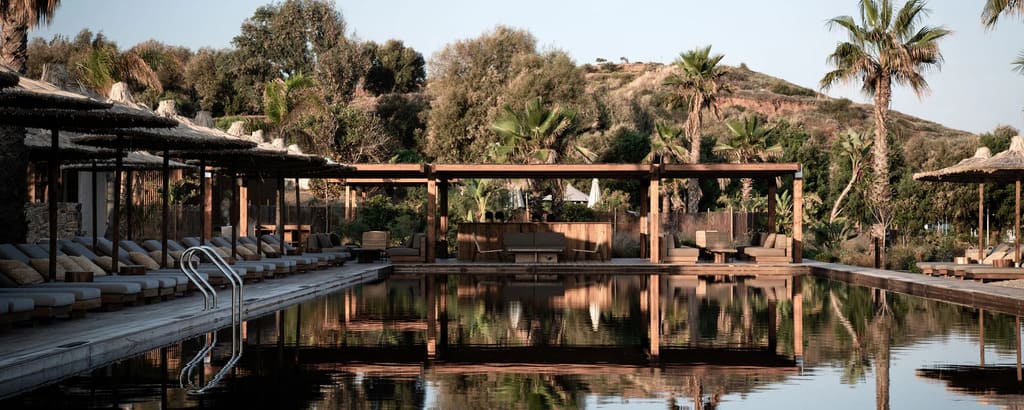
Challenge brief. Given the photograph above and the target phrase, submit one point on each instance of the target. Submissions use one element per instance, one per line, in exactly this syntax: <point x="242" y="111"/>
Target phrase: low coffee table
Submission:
<point x="721" y="253"/>
<point x="367" y="255"/>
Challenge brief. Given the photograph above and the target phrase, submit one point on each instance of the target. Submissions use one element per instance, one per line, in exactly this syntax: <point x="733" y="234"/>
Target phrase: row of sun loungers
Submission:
<point x="26" y="294"/>
<point x="982" y="271"/>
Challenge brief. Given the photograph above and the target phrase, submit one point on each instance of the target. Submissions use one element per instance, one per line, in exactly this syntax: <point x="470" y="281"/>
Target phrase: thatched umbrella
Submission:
<point x="1004" y="167"/>
<point x="981" y="154"/>
<point x="185" y="138"/>
<point x="37" y="104"/>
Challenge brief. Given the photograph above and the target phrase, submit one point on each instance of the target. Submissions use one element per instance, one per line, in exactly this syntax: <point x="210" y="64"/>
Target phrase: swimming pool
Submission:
<point x="555" y="341"/>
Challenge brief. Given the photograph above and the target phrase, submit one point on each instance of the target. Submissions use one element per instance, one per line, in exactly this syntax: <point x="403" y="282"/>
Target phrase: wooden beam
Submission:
<point x="654" y="220"/>
<point x="798" y="219"/>
<point x="431" y="219"/>
<point x="772" y="213"/>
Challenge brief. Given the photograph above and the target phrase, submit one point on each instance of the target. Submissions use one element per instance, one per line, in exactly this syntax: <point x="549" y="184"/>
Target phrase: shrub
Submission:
<point x="786" y="89"/>
<point x="572" y="212"/>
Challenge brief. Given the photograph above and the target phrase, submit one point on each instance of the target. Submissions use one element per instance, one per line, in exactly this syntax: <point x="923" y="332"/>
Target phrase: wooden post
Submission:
<point x="165" y="207"/>
<point x="118" y="165"/>
<point x="1016" y="338"/>
<point x="654" y="219"/>
<point x="243" y="210"/>
<point x="645" y="209"/>
<point x="95" y="204"/>
<point x="431" y="296"/>
<point x="298" y="209"/>
<point x="431" y="215"/>
<point x="348" y="203"/>
<point x="236" y="215"/>
<point x="443" y="218"/>
<point x="654" y="312"/>
<point x="206" y="198"/>
<point x="772" y="228"/>
<point x="798" y="218"/>
<point x="1016" y="225"/>
<point x="981" y="222"/>
<point x="129" y="202"/>
<point x="53" y="199"/>
<point x="30" y="177"/>
<point x="981" y="337"/>
<point x="280" y="214"/>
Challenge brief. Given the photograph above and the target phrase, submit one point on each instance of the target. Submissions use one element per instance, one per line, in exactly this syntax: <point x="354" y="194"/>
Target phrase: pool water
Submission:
<point x="585" y="341"/>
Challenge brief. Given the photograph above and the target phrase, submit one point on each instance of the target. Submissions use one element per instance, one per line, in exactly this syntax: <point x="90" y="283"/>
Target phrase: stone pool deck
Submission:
<point x="35" y="356"/>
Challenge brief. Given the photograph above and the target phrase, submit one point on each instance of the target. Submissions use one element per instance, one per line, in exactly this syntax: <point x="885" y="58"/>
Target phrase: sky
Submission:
<point x="975" y="90"/>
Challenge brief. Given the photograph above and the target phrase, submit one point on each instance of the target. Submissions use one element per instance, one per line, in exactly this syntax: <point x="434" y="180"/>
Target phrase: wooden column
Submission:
<point x="443" y="219"/>
<point x="116" y="220"/>
<point x="981" y="222"/>
<point x="348" y="203"/>
<point x="236" y="215"/>
<point x="798" y="218"/>
<point x="431" y="296"/>
<point x="1016" y="224"/>
<point x="298" y="210"/>
<point x="206" y="199"/>
<point x="129" y="202"/>
<point x="165" y="205"/>
<point x="431" y="216"/>
<point x="798" y="320"/>
<point x="95" y="204"/>
<point x="645" y="208"/>
<point x="280" y="214"/>
<point x="654" y="220"/>
<point x="772" y="228"/>
<point x="30" y="177"/>
<point x="654" y="313"/>
<point x="243" y="210"/>
<point x="1016" y="338"/>
<point x="981" y="338"/>
<point x="53" y="199"/>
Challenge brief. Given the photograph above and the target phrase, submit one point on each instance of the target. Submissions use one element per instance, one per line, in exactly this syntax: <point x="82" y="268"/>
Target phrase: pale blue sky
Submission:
<point x="975" y="91"/>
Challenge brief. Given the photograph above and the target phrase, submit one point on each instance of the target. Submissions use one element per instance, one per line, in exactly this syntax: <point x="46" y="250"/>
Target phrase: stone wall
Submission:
<point x="69" y="220"/>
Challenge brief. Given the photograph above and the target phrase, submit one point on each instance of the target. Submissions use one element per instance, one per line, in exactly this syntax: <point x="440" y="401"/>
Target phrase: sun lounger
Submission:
<point x="255" y="270"/>
<point x="47" y="305"/>
<point x="949" y="268"/>
<point x="15" y="309"/>
<point x="112" y="292"/>
<point x="153" y="288"/>
<point x="324" y="259"/>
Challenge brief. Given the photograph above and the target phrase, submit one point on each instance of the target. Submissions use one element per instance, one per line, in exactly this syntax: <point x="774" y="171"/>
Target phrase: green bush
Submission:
<point x="786" y="89"/>
<point x="572" y="212"/>
<point x="379" y="213"/>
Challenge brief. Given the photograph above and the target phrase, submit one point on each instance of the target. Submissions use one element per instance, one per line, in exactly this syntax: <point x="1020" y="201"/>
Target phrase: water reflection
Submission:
<point x="538" y="341"/>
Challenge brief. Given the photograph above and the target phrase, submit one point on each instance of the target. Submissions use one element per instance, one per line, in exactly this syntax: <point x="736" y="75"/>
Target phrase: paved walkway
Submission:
<point x="31" y="357"/>
<point x="962" y="292"/>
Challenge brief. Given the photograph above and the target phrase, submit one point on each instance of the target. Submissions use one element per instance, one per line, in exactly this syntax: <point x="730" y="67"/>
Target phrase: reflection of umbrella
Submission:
<point x="1004" y="167"/>
<point x="515" y="309"/>
<point x="595" y="314"/>
<point x="595" y="193"/>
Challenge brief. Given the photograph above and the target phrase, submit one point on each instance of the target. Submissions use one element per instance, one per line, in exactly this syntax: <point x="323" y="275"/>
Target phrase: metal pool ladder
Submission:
<point x="190" y="267"/>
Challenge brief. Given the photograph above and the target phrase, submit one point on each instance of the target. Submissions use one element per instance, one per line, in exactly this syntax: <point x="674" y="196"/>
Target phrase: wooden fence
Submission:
<point x="578" y="235"/>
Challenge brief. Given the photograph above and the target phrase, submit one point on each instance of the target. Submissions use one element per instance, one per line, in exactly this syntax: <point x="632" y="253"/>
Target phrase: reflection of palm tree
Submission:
<point x="882" y="330"/>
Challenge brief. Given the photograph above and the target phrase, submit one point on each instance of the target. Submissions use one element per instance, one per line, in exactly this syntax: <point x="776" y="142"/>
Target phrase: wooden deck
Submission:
<point x="617" y="266"/>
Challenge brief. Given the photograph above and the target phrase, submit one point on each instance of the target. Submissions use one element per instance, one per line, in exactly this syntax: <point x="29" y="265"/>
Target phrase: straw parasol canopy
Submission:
<point x="965" y="164"/>
<point x="136" y="160"/>
<point x="38" y="143"/>
<point x="21" y="93"/>
<point x="1005" y="167"/>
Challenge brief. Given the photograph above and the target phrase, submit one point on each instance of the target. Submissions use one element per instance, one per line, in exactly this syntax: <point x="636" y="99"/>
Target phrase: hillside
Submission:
<point x="638" y="86"/>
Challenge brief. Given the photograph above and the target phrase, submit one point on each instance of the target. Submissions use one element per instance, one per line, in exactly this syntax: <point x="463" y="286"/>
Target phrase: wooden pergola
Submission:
<point x="436" y="177"/>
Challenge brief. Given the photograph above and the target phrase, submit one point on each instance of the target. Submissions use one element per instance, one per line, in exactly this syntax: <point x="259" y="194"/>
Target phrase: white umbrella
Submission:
<point x="595" y="193"/>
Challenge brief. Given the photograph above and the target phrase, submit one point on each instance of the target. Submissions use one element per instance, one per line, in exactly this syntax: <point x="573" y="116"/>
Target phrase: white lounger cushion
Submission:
<point x="16" y="304"/>
<point x="47" y="299"/>
<point x="79" y="292"/>
<point x="104" y="286"/>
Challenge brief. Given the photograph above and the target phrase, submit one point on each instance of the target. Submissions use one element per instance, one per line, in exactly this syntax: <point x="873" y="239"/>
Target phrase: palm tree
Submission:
<point x="990" y="16"/>
<point x="699" y="85"/>
<point x="18" y="16"/>
<point x="287" y="105"/>
<point x="665" y="148"/>
<point x="533" y="135"/>
<point x="856" y="147"/>
<point x="750" y="142"/>
<point x="887" y="47"/>
<point x="103" y="65"/>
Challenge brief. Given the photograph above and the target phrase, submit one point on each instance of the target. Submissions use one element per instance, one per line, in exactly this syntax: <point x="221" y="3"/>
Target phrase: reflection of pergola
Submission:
<point x="436" y="177"/>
